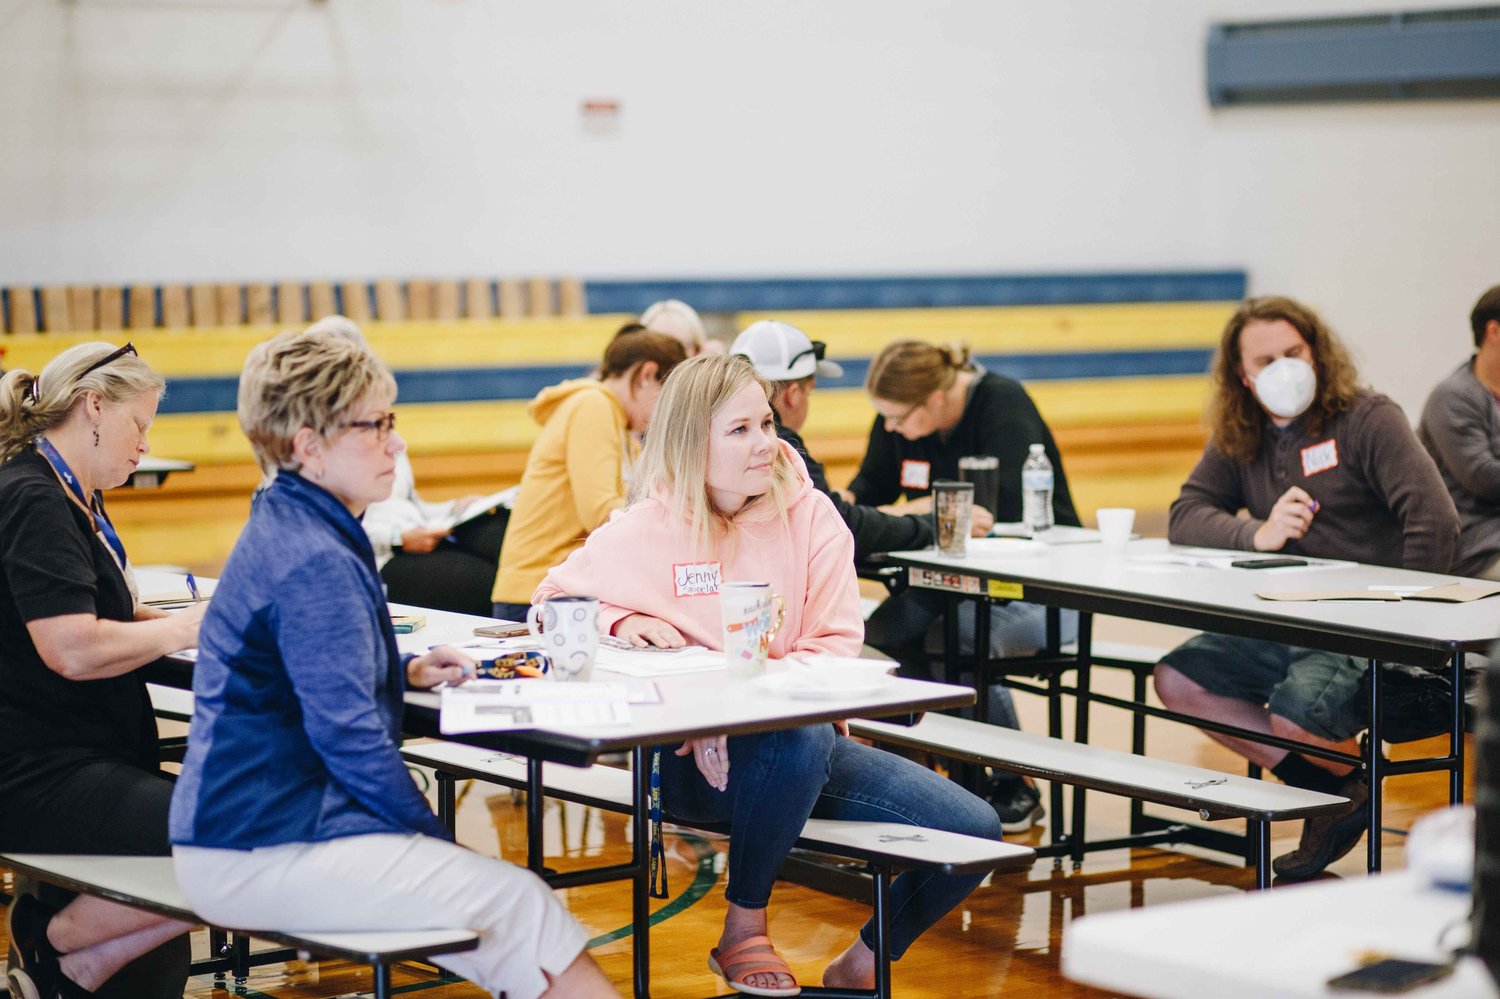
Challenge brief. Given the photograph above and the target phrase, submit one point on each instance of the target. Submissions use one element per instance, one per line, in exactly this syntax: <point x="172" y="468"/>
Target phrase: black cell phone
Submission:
<point x="1279" y="562"/>
<point x="1390" y="976"/>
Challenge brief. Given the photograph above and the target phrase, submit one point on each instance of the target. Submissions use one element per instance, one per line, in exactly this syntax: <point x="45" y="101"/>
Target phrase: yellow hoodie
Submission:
<point x="571" y="485"/>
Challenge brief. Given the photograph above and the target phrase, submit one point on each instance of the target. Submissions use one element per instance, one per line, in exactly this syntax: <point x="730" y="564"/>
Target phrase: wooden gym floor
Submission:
<point x="1006" y="939"/>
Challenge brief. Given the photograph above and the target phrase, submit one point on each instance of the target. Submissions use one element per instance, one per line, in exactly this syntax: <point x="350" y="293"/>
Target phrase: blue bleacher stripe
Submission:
<point x="771" y="295"/>
<point x="217" y="394"/>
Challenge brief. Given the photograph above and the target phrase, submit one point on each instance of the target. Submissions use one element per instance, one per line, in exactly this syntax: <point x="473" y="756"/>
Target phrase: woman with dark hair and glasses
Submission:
<point x="934" y="405"/>
<point x="79" y="770"/>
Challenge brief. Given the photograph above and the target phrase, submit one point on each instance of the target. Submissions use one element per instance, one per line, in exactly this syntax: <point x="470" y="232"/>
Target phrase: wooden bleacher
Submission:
<point x="1120" y="381"/>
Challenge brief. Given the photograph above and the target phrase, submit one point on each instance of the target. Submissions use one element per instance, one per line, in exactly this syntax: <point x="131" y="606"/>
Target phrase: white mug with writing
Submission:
<point x="569" y="629"/>
<point x="752" y="615"/>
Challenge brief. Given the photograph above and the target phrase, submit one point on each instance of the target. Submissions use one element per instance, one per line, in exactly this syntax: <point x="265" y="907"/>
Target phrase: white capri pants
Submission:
<point x="392" y="882"/>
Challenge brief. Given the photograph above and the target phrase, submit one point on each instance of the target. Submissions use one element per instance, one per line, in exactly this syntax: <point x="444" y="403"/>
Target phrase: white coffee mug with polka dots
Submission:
<point x="569" y="630"/>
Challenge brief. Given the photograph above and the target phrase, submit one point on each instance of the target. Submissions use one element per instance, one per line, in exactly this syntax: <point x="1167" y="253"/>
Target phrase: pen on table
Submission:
<point x="192" y="585"/>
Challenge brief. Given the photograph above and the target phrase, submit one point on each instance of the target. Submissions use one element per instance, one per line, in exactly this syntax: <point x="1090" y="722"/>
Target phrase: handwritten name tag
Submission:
<point x="696" y="579"/>
<point x="916" y="474"/>
<point x="1320" y="457"/>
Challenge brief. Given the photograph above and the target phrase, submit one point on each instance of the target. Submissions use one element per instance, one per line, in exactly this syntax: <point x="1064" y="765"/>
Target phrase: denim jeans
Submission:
<point x="510" y="612"/>
<point x="908" y="627"/>
<point x="778" y="779"/>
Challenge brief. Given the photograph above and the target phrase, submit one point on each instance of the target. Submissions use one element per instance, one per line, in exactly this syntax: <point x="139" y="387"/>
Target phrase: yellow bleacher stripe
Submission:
<point x="467" y="427"/>
<point x="843" y="413"/>
<point x="1016" y="329"/>
<point x="435" y="428"/>
<point x="412" y="346"/>
<point x="526" y="342"/>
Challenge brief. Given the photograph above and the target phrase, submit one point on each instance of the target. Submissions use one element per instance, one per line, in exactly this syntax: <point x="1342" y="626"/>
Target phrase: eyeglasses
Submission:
<point x="129" y="348"/>
<point x="817" y="350"/>
<point x="382" y="426"/>
<point x="894" y="422"/>
<point x="111" y="357"/>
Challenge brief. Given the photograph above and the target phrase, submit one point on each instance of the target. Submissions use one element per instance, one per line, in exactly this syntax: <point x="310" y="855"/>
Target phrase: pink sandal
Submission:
<point x="752" y="956"/>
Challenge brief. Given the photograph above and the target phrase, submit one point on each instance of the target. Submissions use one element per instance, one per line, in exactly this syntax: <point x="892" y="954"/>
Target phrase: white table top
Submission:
<point x="1084" y="575"/>
<point x="1283" y="942"/>
<point x="152" y="472"/>
<point x="693" y="704"/>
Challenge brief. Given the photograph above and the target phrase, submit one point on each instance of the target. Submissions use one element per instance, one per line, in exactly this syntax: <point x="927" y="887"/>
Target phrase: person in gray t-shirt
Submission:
<point x="1460" y="428"/>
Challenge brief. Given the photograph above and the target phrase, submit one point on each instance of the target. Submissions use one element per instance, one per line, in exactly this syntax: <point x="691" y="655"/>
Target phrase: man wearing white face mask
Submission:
<point x="1324" y="468"/>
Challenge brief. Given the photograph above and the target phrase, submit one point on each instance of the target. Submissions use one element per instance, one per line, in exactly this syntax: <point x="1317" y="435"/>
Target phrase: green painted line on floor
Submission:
<point x="703" y="881"/>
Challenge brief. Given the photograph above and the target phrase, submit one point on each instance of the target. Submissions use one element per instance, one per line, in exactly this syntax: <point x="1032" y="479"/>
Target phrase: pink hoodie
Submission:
<point x="640" y="562"/>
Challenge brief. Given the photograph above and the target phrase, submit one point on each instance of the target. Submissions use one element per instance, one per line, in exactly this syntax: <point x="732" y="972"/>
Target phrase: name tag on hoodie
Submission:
<point x="1320" y="458"/>
<point x="696" y="579"/>
<point x="916" y="474"/>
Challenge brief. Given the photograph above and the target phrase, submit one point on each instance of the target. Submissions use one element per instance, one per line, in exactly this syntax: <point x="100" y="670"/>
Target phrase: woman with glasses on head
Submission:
<point x="577" y="472"/>
<point x="294" y="810"/>
<point x="719" y="493"/>
<point x="79" y="767"/>
<point x="935" y="405"/>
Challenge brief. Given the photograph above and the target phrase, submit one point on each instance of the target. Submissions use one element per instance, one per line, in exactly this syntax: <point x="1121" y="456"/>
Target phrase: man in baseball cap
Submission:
<point x="784" y="355"/>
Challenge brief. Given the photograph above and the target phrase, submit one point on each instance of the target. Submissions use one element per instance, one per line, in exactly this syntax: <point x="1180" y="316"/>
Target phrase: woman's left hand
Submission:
<point x="443" y="664"/>
<point x="842" y="727"/>
<point x="712" y="756"/>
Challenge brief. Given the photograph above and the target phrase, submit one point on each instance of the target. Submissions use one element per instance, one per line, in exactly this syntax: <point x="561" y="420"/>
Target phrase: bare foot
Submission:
<point x="853" y="969"/>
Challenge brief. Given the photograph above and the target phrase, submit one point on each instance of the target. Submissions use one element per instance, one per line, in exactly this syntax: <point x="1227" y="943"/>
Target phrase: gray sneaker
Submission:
<point x="1018" y="804"/>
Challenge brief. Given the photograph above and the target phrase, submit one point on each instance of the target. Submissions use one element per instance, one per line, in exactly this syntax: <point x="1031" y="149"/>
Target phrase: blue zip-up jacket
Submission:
<point x="298" y="686"/>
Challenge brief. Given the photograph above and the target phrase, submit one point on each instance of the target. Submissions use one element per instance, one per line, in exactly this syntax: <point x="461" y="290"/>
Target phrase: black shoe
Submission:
<point x="1018" y="804"/>
<point x="1326" y="838"/>
<point x="37" y="974"/>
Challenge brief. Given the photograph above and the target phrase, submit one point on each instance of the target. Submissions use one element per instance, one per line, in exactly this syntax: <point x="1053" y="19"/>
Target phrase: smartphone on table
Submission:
<point x="1390" y="977"/>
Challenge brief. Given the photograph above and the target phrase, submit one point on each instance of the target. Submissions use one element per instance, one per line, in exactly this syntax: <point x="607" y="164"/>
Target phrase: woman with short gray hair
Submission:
<point x="294" y="810"/>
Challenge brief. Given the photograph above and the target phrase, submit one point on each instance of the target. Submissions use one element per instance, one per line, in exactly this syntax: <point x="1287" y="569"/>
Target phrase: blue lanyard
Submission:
<point x="658" y="864"/>
<point x="96" y="514"/>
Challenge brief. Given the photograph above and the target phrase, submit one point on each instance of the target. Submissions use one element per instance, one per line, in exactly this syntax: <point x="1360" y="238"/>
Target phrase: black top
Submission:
<point x="51" y="564"/>
<point x="999" y="419"/>
<point x="874" y="532"/>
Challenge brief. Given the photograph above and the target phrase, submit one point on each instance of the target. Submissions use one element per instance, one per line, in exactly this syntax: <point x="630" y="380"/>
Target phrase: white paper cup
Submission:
<point x="752" y="614"/>
<point x="1115" y="525"/>
<point x="569" y="630"/>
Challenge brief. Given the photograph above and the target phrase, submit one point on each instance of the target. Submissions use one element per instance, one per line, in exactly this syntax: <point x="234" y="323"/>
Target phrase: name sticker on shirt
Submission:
<point x="696" y="579"/>
<point x="1320" y="458"/>
<point x="916" y="474"/>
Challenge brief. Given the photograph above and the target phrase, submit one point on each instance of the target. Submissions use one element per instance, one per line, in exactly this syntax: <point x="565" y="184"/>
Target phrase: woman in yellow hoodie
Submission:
<point x="575" y="474"/>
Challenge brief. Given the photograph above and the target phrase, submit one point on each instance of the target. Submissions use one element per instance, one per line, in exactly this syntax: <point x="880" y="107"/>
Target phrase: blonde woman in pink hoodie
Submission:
<point x="719" y="497"/>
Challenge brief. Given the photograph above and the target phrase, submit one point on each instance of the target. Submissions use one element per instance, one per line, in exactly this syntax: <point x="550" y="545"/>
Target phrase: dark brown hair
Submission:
<point x="637" y="346"/>
<point x="908" y="371"/>
<point x="1486" y="311"/>
<point x="1236" y="420"/>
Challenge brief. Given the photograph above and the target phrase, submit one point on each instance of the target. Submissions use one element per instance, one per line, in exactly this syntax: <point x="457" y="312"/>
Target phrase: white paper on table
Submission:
<point x="482" y="506"/>
<point x="1217" y="558"/>
<point x="504" y="705"/>
<point x="658" y="662"/>
<point x="1060" y="534"/>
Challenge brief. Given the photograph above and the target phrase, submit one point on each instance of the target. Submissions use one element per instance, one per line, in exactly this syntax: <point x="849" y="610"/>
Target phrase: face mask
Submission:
<point x="1286" y="387"/>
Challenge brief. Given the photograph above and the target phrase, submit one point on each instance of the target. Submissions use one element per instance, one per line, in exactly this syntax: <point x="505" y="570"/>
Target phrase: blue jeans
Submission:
<point x="510" y="612"/>
<point x="778" y="779"/>
<point x="908" y="627"/>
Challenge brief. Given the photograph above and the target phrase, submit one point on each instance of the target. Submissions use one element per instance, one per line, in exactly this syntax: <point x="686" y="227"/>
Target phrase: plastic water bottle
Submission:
<point x="1036" y="490"/>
